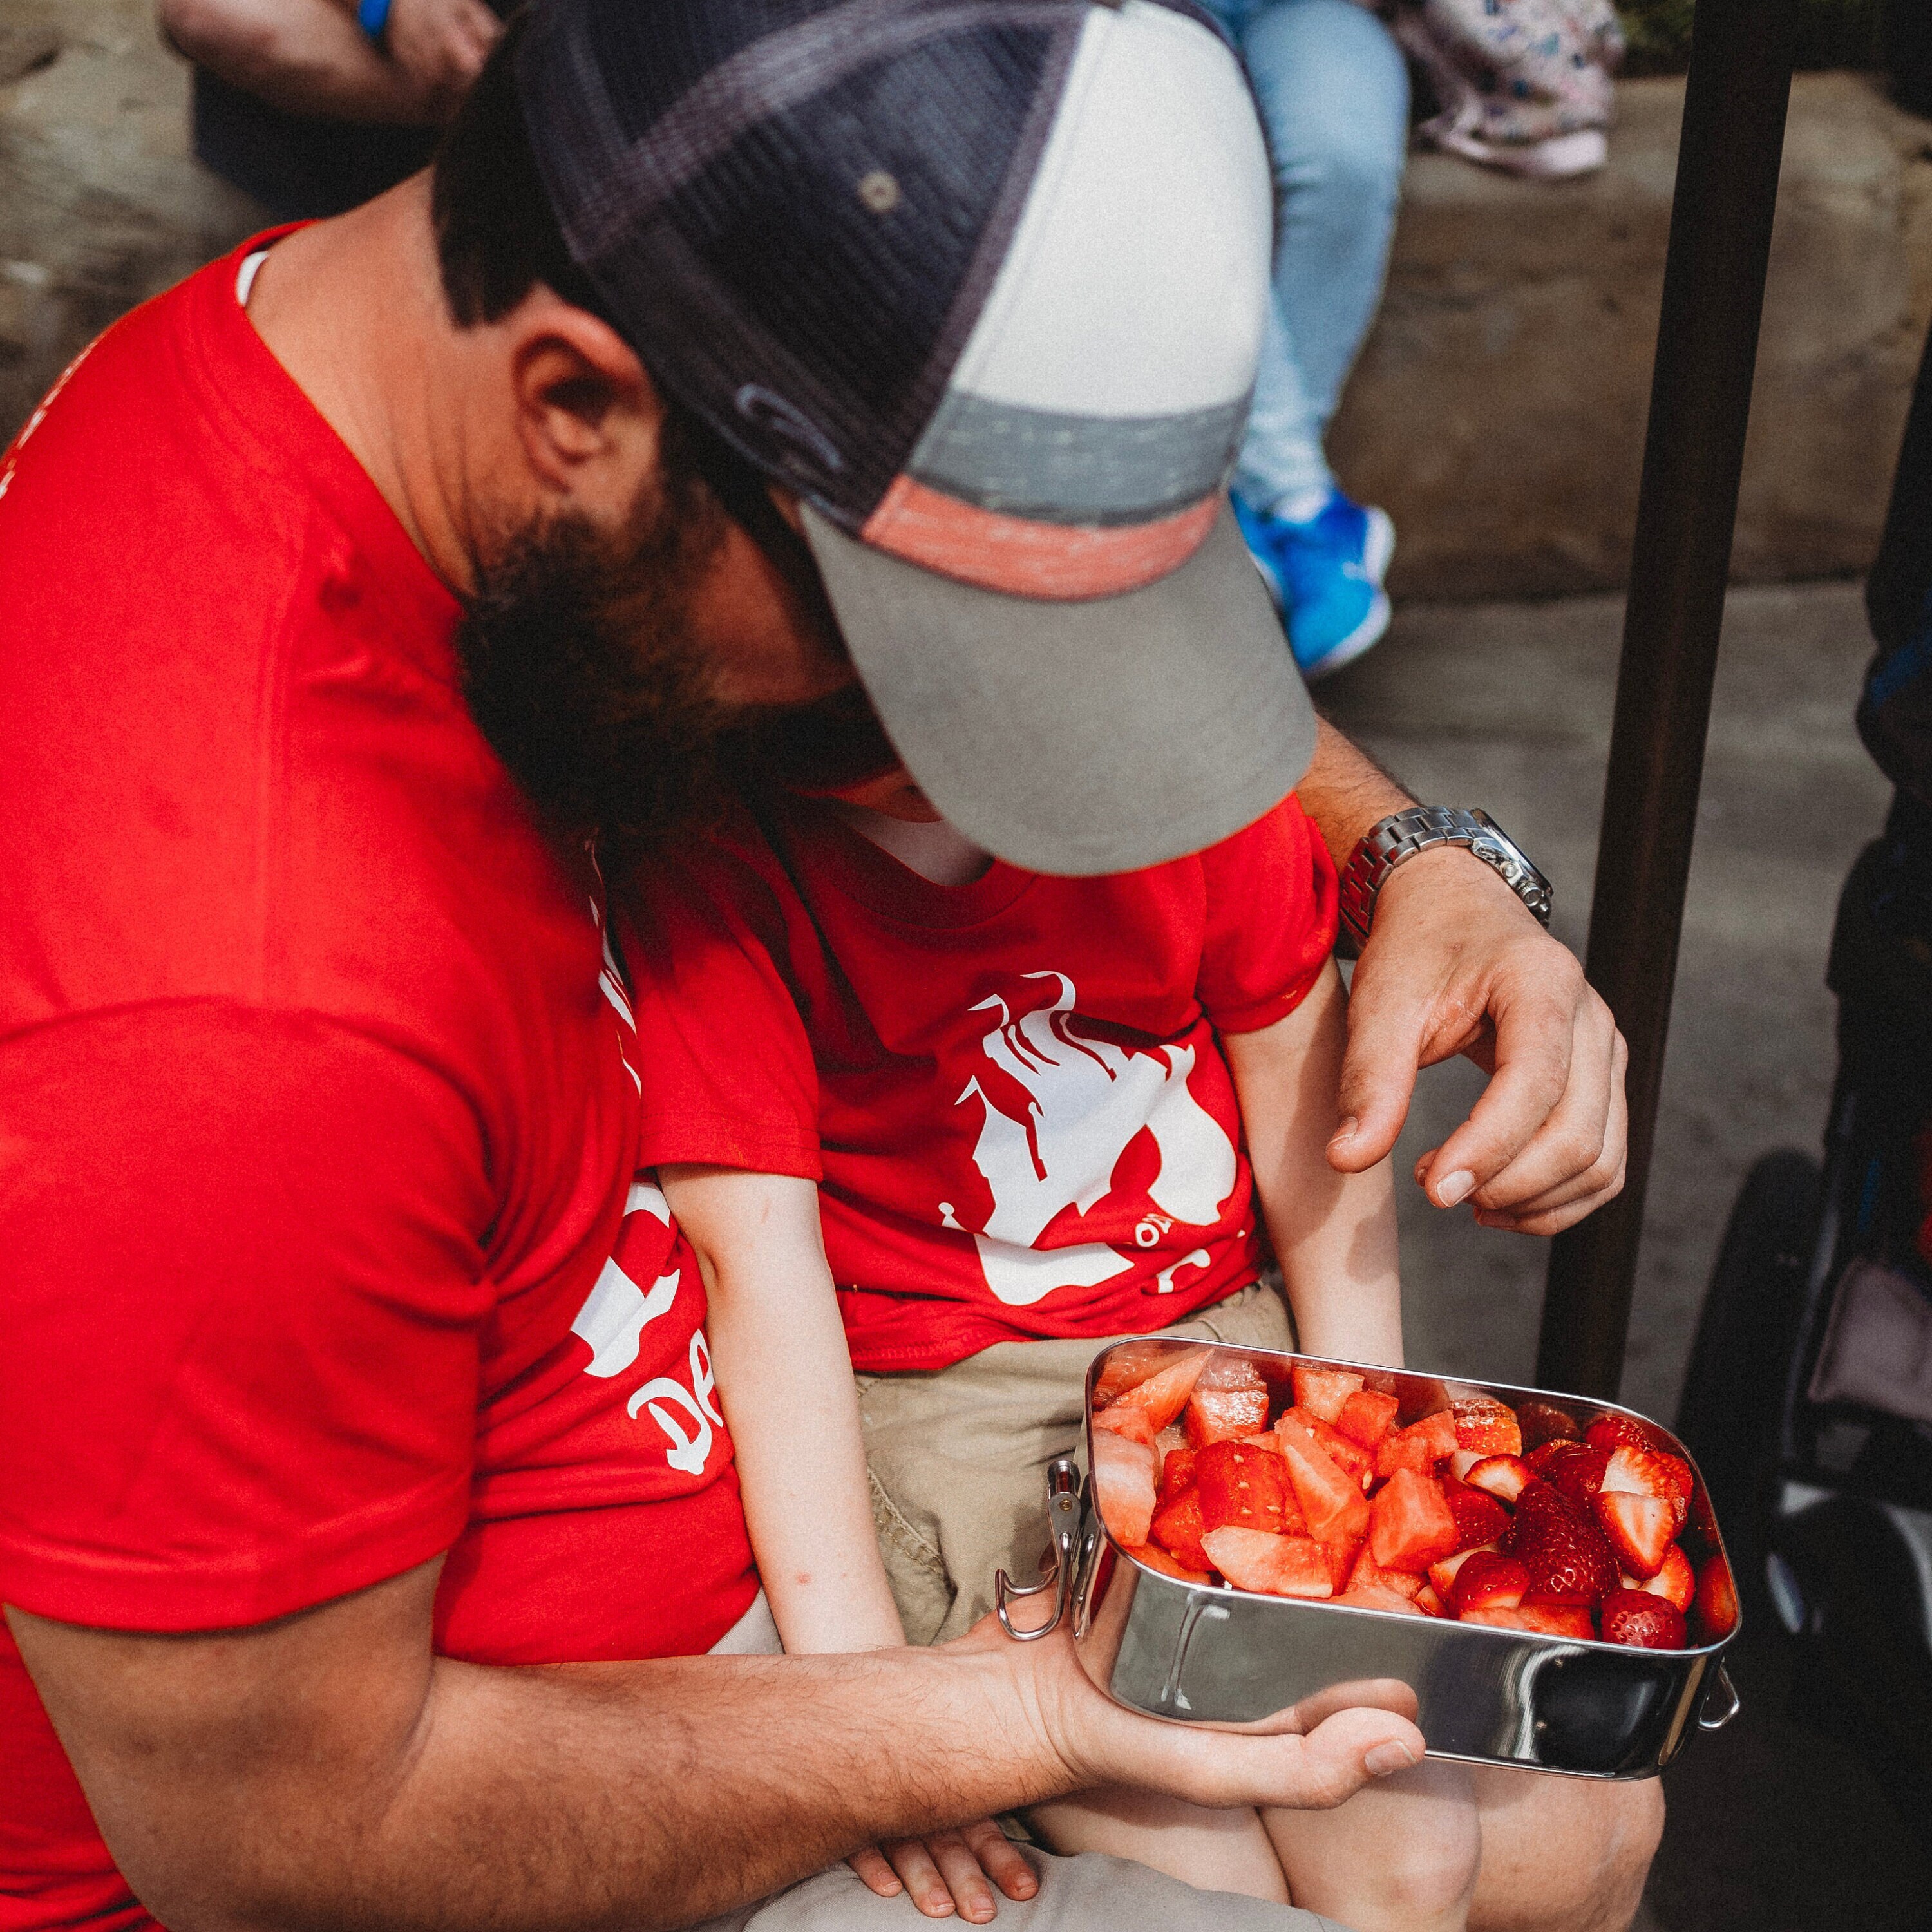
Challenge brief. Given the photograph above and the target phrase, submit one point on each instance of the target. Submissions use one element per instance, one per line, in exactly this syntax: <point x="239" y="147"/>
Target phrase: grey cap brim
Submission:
<point x="1080" y="738"/>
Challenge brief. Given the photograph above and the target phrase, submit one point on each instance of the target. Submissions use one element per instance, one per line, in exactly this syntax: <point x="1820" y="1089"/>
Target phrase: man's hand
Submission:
<point x="1456" y="963"/>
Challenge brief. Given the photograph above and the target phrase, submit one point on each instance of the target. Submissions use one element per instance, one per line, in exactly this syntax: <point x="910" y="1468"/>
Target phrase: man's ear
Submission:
<point x="588" y="415"/>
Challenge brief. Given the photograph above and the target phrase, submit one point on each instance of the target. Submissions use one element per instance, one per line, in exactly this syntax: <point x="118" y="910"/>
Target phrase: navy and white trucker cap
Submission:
<point x="982" y="283"/>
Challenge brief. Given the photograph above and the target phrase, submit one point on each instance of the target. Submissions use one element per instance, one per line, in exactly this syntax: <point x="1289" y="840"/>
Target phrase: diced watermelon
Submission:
<point x="1377" y="1597"/>
<point x="1324" y="1392"/>
<point x="1368" y="1416"/>
<point x="1367" y="1575"/>
<point x="1155" y="1558"/>
<point x="1133" y="1423"/>
<point x="1229" y="1400"/>
<point x="1410" y="1526"/>
<point x="1480" y="1518"/>
<point x="1489" y="1581"/>
<point x="1486" y="1426"/>
<point x="1178" y="1528"/>
<point x="1342" y="1555"/>
<point x="1651" y="1472"/>
<point x="1717" y="1599"/>
<point x="1177" y="1472"/>
<point x="1123" y="1486"/>
<point x="1639" y="1527"/>
<point x="1497" y="1619"/>
<point x="1348" y="1456"/>
<point x="1542" y="1422"/>
<point x="1277" y="1566"/>
<point x="1240" y="1483"/>
<point x="1420" y="1446"/>
<point x="1675" y="1582"/>
<point x="1429" y="1604"/>
<point x="1505" y="1477"/>
<point x="1164" y="1394"/>
<point x="1332" y="1504"/>
<point x="1442" y="1574"/>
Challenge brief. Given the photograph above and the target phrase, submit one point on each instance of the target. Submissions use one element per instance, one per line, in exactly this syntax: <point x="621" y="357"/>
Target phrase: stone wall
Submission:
<point x="1498" y="409"/>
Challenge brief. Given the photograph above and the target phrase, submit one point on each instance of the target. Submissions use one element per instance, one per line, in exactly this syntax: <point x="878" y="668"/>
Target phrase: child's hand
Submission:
<point x="950" y="1871"/>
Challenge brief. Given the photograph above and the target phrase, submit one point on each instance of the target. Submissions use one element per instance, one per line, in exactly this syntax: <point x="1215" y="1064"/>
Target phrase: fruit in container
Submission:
<point x="1515" y="1518"/>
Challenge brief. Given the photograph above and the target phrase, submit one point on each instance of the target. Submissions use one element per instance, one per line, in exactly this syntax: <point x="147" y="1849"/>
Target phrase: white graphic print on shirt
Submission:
<point x="1086" y="1099"/>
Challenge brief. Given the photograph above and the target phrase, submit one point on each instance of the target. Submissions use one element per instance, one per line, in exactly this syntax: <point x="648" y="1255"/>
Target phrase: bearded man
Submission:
<point x="368" y="1531"/>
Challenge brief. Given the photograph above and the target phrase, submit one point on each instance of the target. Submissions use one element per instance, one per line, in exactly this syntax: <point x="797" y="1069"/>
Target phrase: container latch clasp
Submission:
<point x="1062" y="1522"/>
<point x="1721" y="1701"/>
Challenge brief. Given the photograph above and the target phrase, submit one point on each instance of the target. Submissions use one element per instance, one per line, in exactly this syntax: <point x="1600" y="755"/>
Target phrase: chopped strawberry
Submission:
<point x="1367" y="1416"/>
<point x="1442" y="1575"/>
<point x="1342" y="1554"/>
<point x="1178" y="1528"/>
<point x="1132" y="1362"/>
<point x="1558" y="1619"/>
<point x="1377" y="1597"/>
<point x="1164" y="1394"/>
<point x="1703" y="1523"/>
<point x="1485" y="1425"/>
<point x="1637" y="1617"/>
<point x="1367" y="1575"/>
<point x="1123" y="1486"/>
<point x="1132" y="1423"/>
<point x="1429" y="1603"/>
<point x="1640" y="1528"/>
<point x="1575" y="1469"/>
<point x="1565" y="1552"/>
<point x="1676" y="1582"/>
<point x="1612" y="1432"/>
<point x="1177" y="1472"/>
<point x="1348" y="1456"/>
<point x="1462" y="1462"/>
<point x="1410" y="1526"/>
<point x="1717" y="1599"/>
<point x="1278" y="1566"/>
<point x="1324" y="1392"/>
<point x="1505" y="1477"/>
<point x="1230" y="1399"/>
<point x="1650" y="1472"/>
<point x="1240" y="1483"/>
<point x="1155" y="1558"/>
<point x="1420" y="1446"/>
<point x="1542" y="1422"/>
<point x="1332" y="1503"/>
<point x="1489" y="1581"/>
<point x="1479" y="1519"/>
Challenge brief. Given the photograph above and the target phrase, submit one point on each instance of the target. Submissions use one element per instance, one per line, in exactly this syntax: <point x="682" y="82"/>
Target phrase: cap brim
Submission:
<point x="1080" y="738"/>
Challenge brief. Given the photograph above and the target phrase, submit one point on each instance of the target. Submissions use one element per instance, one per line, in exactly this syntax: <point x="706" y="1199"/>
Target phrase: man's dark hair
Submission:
<point x="496" y="235"/>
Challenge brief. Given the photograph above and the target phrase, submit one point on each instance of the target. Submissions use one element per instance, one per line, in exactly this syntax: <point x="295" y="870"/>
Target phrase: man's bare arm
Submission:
<point x="327" y="1770"/>
<point x="1455" y="964"/>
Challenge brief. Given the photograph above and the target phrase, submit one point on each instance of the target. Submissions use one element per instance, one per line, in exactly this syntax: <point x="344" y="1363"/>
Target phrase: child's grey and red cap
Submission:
<point x="982" y="282"/>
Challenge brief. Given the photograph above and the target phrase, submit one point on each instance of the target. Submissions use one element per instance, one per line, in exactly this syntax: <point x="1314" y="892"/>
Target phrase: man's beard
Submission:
<point x="580" y="669"/>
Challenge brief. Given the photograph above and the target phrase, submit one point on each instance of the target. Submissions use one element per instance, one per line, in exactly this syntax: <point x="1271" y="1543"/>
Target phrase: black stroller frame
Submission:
<point x="1826" y="1505"/>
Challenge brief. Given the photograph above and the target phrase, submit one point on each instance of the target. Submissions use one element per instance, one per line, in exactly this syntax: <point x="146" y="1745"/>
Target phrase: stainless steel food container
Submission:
<point x="1212" y="1655"/>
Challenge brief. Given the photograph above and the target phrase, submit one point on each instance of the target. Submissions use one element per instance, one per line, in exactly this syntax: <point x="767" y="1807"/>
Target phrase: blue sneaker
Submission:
<point x="1325" y="576"/>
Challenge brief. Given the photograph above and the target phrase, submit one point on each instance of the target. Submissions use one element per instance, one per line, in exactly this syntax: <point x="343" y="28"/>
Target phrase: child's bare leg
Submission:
<point x="1218" y="1851"/>
<point x="1400" y="1857"/>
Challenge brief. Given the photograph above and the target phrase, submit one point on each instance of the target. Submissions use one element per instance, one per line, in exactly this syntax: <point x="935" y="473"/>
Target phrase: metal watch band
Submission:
<point x="1399" y="837"/>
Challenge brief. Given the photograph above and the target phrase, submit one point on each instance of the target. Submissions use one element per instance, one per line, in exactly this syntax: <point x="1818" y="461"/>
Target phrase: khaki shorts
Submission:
<point x="958" y="1457"/>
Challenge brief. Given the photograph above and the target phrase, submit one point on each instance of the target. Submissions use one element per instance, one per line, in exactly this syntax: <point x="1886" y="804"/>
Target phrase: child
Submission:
<point x="1011" y="1118"/>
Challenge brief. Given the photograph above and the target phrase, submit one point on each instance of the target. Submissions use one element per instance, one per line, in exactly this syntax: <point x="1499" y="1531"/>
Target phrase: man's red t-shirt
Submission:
<point x="1011" y="1092"/>
<point x="323" y="1243"/>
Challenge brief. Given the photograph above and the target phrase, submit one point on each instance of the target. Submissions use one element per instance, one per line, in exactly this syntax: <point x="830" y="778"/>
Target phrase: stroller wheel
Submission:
<point x="1729" y="1414"/>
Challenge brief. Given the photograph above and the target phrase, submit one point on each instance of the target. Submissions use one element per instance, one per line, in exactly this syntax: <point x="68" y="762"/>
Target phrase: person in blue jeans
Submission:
<point x="1332" y="90"/>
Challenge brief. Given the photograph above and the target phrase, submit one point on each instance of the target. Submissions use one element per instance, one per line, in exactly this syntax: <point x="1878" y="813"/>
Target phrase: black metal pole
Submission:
<point x="1727" y="163"/>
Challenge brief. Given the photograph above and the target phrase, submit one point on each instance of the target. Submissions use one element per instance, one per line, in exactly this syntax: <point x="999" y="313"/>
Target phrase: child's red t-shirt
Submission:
<point x="1011" y="1092"/>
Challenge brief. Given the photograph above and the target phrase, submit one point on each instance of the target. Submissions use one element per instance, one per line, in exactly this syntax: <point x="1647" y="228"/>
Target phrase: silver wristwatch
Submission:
<point x="1403" y="834"/>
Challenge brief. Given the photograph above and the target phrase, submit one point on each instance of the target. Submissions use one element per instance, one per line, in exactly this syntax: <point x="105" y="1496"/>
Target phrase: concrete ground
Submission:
<point x="1505" y="705"/>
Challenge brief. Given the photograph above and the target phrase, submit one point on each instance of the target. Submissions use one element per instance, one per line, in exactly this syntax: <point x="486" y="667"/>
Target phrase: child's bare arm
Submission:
<point x="786" y="1380"/>
<point x="1334" y="1234"/>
